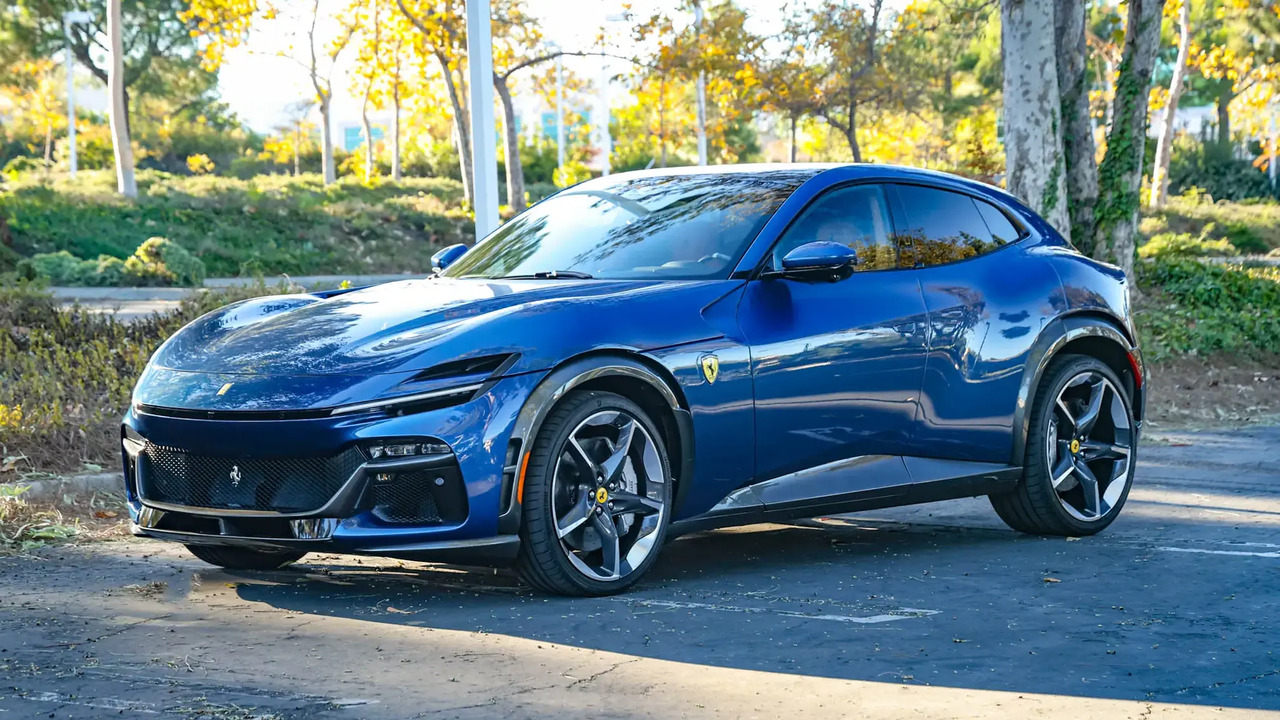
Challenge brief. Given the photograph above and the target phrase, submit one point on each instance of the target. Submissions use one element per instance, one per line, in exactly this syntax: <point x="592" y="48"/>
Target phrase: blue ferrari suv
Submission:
<point x="648" y="354"/>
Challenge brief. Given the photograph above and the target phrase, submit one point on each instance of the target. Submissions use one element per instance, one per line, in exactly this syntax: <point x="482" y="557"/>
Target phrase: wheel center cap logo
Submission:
<point x="602" y="496"/>
<point x="235" y="476"/>
<point x="1075" y="446"/>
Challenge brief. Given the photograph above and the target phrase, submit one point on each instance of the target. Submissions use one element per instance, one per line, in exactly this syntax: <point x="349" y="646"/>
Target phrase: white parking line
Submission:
<point x="900" y="614"/>
<point x="102" y="703"/>
<point x="1223" y="552"/>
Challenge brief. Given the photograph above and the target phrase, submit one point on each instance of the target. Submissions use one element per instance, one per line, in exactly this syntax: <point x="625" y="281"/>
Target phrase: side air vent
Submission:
<point x="486" y="366"/>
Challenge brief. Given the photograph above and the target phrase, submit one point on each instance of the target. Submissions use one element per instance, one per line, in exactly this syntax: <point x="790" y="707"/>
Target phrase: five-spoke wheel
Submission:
<point x="596" y="496"/>
<point x="1080" y="452"/>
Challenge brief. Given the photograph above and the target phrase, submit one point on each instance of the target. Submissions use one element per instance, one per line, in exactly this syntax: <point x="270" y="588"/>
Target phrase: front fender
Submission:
<point x="575" y="373"/>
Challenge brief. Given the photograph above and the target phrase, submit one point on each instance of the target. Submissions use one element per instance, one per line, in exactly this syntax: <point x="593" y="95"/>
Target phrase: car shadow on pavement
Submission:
<point x="847" y="598"/>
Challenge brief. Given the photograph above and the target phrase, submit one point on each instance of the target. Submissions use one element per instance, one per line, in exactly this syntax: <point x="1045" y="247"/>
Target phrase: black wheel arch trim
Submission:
<point x="1053" y="338"/>
<point x="575" y="373"/>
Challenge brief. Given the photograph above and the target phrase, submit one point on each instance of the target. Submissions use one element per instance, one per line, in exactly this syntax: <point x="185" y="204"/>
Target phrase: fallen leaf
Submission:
<point x="103" y="514"/>
<point x="399" y="611"/>
<point x="1052" y="580"/>
<point x="1073" y="539"/>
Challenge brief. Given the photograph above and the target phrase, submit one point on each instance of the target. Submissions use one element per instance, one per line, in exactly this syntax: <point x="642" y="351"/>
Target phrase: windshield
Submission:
<point x="666" y="226"/>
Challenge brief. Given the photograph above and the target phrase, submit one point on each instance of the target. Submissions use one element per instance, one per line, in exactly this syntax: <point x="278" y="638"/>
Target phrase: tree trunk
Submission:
<point x="395" y="130"/>
<point x="1224" y="113"/>
<point x="851" y="134"/>
<point x="515" y="170"/>
<point x="1079" y="152"/>
<point x="1032" y="110"/>
<point x="461" y="130"/>
<point x="793" y="138"/>
<point x="48" y="146"/>
<point x="1121" y="171"/>
<point x="326" y="142"/>
<point x="1164" y="146"/>
<point x="368" y="147"/>
<point x="125" y="182"/>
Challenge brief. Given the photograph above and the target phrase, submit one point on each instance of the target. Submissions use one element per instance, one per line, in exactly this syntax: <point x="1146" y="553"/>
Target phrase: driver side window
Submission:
<point x="855" y="216"/>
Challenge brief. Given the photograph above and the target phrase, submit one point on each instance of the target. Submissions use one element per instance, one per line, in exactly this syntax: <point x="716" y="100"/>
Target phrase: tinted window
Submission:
<point x="855" y="216"/>
<point x="648" y="226"/>
<point x="944" y="226"/>
<point x="1002" y="229"/>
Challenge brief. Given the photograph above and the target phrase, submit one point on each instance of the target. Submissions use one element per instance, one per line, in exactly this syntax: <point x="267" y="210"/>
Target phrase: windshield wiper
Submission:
<point x="550" y="275"/>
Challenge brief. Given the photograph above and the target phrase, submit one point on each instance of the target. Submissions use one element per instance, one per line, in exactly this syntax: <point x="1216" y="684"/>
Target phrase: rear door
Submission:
<point x="984" y="302"/>
<point x="837" y="365"/>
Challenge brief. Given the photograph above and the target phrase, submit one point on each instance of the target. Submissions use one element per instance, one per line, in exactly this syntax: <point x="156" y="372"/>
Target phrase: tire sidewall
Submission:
<point x="548" y="447"/>
<point x="1056" y="381"/>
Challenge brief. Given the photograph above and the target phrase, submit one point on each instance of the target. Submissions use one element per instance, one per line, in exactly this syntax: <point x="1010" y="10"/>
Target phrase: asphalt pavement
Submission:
<point x="934" y="611"/>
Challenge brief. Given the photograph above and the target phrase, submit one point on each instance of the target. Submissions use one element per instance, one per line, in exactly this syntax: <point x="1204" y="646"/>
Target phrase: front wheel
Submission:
<point x="1081" y="452"/>
<point x="596" y="497"/>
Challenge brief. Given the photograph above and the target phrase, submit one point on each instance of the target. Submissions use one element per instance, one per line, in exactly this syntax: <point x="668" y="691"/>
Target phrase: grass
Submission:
<point x="1252" y="227"/>
<point x="268" y="225"/>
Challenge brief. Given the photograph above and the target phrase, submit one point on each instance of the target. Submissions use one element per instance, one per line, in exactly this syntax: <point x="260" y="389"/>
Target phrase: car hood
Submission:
<point x="417" y="324"/>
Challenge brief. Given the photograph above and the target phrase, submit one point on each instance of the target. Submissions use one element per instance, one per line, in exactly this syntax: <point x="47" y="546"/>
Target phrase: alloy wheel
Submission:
<point x="608" y="495"/>
<point x="1089" y="446"/>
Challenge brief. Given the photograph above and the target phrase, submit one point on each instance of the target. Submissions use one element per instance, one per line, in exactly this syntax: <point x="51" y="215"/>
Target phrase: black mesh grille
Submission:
<point x="407" y="499"/>
<point x="286" y="485"/>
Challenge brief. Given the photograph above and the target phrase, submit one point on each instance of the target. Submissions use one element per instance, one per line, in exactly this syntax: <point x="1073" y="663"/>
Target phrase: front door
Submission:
<point x="837" y="365"/>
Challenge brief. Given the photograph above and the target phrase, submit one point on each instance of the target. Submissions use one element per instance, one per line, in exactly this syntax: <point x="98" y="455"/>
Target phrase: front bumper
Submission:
<point x="479" y="528"/>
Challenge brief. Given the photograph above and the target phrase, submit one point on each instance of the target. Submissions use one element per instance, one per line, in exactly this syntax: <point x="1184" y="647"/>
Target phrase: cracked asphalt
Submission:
<point x="931" y="611"/>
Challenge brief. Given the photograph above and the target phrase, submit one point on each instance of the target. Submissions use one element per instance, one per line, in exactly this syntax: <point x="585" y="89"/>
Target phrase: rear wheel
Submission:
<point x="596" y="498"/>
<point x="234" y="558"/>
<point x="1080" y="453"/>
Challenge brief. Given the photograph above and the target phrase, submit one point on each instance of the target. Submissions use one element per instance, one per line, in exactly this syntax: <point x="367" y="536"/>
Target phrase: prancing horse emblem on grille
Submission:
<point x="235" y="476"/>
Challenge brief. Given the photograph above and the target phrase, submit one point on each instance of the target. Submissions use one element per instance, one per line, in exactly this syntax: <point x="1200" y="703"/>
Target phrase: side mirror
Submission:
<point x="819" y="259"/>
<point x="447" y="257"/>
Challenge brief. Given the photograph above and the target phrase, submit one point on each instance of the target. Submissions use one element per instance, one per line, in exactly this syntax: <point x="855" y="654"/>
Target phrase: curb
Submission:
<point x="88" y="483"/>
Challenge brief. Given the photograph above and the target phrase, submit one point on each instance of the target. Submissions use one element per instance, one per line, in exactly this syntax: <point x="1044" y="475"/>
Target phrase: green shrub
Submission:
<point x="66" y="375"/>
<point x="21" y="164"/>
<point x="1214" y="169"/>
<point x="1170" y="245"/>
<point x="1194" y="307"/>
<point x="156" y="262"/>
<point x="288" y="225"/>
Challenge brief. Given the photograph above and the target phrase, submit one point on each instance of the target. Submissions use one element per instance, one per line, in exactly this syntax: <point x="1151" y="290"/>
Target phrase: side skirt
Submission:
<point x="929" y="485"/>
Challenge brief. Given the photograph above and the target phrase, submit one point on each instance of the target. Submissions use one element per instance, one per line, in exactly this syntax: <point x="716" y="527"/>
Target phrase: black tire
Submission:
<point x="542" y="560"/>
<point x="235" y="558"/>
<point x="1033" y="507"/>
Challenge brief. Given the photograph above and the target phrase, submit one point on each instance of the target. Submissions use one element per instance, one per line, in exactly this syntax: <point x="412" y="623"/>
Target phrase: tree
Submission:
<point x="1120" y="174"/>
<point x="36" y="105"/>
<point x="1032" y="110"/>
<point x="441" y="37"/>
<point x="851" y="40"/>
<point x="789" y="84"/>
<point x="1079" y="153"/>
<point x="125" y="182"/>
<point x="159" y="44"/>
<point x="366" y="17"/>
<point x="1164" y="145"/>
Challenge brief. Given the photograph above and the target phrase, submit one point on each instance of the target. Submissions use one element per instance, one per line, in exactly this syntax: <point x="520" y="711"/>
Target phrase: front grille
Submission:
<point x="285" y="485"/>
<point x="429" y="496"/>
<point x="406" y="500"/>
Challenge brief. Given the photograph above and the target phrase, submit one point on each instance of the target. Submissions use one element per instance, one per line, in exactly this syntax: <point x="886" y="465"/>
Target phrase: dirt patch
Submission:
<point x="1189" y="393"/>
<point x="28" y="523"/>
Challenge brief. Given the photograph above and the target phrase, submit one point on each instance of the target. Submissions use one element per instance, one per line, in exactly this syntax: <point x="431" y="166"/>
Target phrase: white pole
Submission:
<point x="71" y="101"/>
<point x="702" y="92"/>
<point x="559" y="112"/>
<point x="606" y="140"/>
<point x="483" y="130"/>
<point x="1271" y="151"/>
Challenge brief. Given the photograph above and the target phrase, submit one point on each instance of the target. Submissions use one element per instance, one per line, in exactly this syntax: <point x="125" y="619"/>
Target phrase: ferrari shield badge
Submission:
<point x="710" y="367"/>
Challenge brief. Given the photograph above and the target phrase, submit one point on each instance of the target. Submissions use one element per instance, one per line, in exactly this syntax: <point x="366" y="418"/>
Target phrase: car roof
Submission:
<point x="808" y="170"/>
